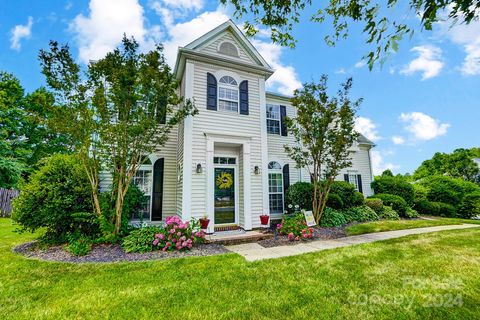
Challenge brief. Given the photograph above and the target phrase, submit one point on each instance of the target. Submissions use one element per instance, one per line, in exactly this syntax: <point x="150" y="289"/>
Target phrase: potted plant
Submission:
<point x="264" y="219"/>
<point x="204" y="221"/>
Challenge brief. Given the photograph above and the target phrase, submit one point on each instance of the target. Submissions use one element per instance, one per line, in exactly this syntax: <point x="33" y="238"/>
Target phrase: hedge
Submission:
<point x="395" y="186"/>
<point x="396" y="202"/>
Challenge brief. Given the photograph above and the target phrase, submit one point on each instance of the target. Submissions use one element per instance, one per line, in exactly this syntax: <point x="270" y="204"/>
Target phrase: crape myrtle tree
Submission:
<point x="324" y="132"/>
<point x="120" y="109"/>
<point x="376" y="18"/>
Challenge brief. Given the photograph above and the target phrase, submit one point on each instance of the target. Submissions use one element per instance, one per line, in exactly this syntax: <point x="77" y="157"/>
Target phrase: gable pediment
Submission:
<point x="228" y="42"/>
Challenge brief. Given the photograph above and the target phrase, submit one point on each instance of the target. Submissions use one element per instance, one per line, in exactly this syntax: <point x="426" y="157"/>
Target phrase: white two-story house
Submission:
<point x="228" y="162"/>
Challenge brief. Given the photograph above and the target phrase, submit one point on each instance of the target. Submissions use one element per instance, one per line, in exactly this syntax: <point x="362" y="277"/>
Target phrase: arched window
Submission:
<point x="228" y="80"/>
<point x="228" y="48"/>
<point x="275" y="187"/>
<point x="228" y="94"/>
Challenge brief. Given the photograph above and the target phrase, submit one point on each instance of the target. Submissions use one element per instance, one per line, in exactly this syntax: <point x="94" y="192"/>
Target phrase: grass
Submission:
<point x="330" y="284"/>
<point x="389" y="225"/>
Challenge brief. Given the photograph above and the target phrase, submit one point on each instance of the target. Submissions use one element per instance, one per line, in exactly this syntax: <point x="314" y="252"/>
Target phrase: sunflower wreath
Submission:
<point x="224" y="180"/>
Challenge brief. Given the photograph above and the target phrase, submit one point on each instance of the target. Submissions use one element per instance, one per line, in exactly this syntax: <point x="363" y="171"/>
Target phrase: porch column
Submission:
<point x="210" y="185"/>
<point x="187" y="148"/>
<point x="247" y="173"/>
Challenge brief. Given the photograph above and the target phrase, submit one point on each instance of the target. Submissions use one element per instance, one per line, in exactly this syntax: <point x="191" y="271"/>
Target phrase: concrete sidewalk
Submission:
<point x="254" y="251"/>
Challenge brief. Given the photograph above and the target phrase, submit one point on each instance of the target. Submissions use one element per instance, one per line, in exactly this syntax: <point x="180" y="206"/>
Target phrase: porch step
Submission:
<point x="237" y="236"/>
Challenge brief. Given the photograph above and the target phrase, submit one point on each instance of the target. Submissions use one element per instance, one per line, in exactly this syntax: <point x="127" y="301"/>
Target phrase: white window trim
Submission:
<point x="353" y="180"/>
<point x="273" y="119"/>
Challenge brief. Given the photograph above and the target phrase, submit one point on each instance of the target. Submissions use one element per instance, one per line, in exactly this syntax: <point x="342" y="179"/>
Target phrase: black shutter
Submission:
<point x="345" y="177"/>
<point x="286" y="181"/>
<point x="157" y="190"/>
<point x="283" y="125"/>
<point x="211" y="92"/>
<point x="244" y="97"/>
<point x="359" y="180"/>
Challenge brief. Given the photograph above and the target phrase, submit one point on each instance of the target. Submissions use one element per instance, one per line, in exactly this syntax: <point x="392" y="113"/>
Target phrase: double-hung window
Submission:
<point x="353" y="179"/>
<point x="143" y="180"/>
<point x="273" y="119"/>
<point x="228" y="94"/>
<point x="275" y="187"/>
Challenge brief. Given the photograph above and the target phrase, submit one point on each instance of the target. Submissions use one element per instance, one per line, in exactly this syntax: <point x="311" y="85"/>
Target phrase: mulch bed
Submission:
<point x="112" y="253"/>
<point x="320" y="233"/>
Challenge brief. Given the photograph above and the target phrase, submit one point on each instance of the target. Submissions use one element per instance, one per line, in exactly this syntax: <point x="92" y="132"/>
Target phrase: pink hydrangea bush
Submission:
<point x="178" y="235"/>
<point x="295" y="228"/>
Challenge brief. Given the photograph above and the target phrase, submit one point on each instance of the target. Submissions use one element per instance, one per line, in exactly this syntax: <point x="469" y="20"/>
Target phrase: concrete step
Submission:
<point x="237" y="237"/>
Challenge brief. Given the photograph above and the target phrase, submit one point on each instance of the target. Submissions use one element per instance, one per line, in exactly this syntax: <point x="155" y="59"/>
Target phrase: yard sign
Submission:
<point x="309" y="218"/>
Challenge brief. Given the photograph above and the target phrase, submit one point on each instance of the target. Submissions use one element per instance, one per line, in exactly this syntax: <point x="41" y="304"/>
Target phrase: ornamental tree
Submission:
<point x="120" y="109"/>
<point x="324" y="133"/>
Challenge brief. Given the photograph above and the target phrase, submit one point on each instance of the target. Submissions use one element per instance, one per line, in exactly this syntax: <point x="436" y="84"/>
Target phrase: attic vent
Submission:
<point x="229" y="49"/>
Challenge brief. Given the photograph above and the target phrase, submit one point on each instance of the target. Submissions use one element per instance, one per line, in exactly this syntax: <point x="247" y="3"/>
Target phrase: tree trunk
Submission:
<point x="119" y="207"/>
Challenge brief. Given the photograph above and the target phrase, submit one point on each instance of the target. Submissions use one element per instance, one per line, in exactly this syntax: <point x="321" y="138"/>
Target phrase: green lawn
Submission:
<point x="321" y="285"/>
<point x="389" y="225"/>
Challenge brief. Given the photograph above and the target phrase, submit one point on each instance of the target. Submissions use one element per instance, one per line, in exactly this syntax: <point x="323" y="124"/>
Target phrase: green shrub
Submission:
<point x="300" y="194"/>
<point x="444" y="209"/>
<point x="394" y="185"/>
<point x="375" y="204"/>
<point x="420" y="192"/>
<point x="360" y="214"/>
<point x="332" y="218"/>
<point x="396" y="202"/>
<point x="141" y="239"/>
<point x="389" y="214"/>
<point x="470" y="206"/>
<point x="448" y="190"/>
<point x="132" y="204"/>
<point x="359" y="199"/>
<point x="53" y="197"/>
<point x="79" y="245"/>
<point x="346" y="191"/>
<point x="425" y="207"/>
<point x="334" y="201"/>
<point x="411" y="213"/>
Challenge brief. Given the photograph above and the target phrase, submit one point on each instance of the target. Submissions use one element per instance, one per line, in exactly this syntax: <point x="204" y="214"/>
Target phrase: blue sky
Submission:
<point x="424" y="99"/>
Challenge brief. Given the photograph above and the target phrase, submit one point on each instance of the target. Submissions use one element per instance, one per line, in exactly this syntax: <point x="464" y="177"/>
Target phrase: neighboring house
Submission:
<point x="228" y="161"/>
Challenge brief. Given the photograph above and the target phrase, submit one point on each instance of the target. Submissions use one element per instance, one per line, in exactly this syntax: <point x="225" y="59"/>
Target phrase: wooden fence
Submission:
<point x="6" y="197"/>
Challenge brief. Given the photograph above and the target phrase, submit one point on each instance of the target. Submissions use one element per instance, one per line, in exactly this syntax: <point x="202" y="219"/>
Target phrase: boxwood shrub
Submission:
<point x="375" y="204"/>
<point x="394" y="185"/>
<point x="396" y="202"/>
<point x="300" y="194"/>
<point x="389" y="214"/>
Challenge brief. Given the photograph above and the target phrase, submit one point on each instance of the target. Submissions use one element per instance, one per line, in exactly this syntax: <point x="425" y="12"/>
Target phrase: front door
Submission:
<point x="225" y="196"/>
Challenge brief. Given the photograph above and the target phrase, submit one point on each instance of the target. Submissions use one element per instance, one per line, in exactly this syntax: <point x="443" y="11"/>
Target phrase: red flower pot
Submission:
<point x="204" y="223"/>
<point x="264" y="219"/>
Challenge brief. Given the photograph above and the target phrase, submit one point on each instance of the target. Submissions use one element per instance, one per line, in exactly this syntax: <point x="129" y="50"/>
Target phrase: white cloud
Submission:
<point x="20" y="32"/>
<point x="183" y="4"/>
<point x="378" y="163"/>
<point x="429" y="62"/>
<point x="340" y="71"/>
<point x="468" y="37"/>
<point x="398" y="140"/>
<point x="102" y="30"/>
<point x="367" y="127"/>
<point x="422" y="126"/>
<point x="360" y="64"/>
<point x="285" y="79"/>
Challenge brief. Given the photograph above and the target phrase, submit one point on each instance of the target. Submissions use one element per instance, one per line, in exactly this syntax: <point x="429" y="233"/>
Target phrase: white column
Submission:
<point x="187" y="147"/>
<point x="264" y="142"/>
<point x="210" y="179"/>
<point x="247" y="197"/>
